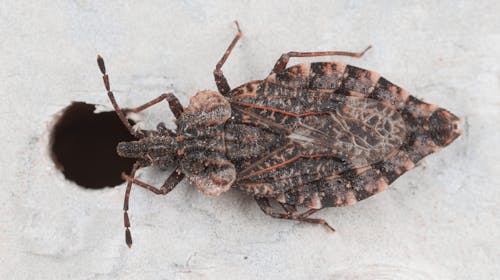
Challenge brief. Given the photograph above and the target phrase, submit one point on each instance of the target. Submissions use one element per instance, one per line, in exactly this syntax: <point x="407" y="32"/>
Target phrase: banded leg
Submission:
<point x="291" y="214"/>
<point x="173" y="180"/>
<point x="220" y="80"/>
<point x="283" y="60"/>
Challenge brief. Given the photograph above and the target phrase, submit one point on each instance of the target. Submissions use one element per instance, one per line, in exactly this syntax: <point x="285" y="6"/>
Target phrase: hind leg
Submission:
<point x="291" y="213"/>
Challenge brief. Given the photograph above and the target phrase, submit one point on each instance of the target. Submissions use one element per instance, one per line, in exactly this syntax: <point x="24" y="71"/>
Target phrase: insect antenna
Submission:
<point x="126" y="220"/>
<point x="118" y="110"/>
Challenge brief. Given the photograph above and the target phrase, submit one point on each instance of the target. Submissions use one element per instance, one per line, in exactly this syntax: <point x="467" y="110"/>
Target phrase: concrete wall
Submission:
<point x="439" y="221"/>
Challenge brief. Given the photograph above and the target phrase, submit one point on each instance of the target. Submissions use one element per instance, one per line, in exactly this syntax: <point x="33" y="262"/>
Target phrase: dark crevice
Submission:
<point x="83" y="146"/>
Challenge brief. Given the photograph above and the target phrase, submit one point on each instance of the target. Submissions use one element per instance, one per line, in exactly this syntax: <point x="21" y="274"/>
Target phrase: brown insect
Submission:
<point x="314" y="135"/>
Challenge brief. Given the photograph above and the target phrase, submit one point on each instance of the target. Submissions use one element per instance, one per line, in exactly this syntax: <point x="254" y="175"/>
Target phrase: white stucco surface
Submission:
<point x="439" y="221"/>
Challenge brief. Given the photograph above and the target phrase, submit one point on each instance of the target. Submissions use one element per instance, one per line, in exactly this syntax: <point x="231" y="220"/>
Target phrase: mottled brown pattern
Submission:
<point x="389" y="94"/>
<point x="359" y="80"/>
<point x="317" y="135"/>
<point x="350" y="131"/>
<point x="201" y="143"/>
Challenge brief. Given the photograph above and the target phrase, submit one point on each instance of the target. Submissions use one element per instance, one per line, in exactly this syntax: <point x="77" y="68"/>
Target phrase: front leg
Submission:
<point x="291" y="214"/>
<point x="220" y="80"/>
<point x="173" y="102"/>
<point x="172" y="181"/>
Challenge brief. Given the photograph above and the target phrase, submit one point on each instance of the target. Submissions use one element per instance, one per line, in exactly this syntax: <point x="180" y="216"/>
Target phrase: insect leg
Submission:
<point x="283" y="60"/>
<point x="292" y="211"/>
<point x="266" y="207"/>
<point x="172" y="180"/>
<point x="220" y="80"/>
<point x="291" y="214"/>
<point x="118" y="110"/>
<point x="303" y="217"/>
<point x="288" y="208"/>
<point x="173" y="102"/>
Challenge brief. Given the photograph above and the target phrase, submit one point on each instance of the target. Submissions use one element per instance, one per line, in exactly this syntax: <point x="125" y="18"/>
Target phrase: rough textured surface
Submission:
<point x="439" y="221"/>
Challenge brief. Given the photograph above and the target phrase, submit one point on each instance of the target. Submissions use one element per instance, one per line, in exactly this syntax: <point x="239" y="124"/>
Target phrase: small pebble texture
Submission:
<point x="439" y="221"/>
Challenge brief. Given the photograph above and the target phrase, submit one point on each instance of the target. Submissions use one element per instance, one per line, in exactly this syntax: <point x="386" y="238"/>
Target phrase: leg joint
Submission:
<point x="168" y="96"/>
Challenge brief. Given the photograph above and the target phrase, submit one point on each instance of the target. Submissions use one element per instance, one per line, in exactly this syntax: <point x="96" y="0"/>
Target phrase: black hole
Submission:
<point x="83" y="146"/>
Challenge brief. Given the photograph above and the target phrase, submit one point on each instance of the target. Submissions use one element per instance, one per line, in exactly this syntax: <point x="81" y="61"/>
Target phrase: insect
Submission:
<point x="313" y="135"/>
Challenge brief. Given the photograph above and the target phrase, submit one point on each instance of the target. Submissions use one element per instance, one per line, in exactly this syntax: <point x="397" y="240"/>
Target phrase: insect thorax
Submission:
<point x="201" y="146"/>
